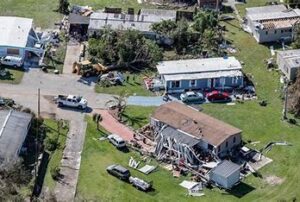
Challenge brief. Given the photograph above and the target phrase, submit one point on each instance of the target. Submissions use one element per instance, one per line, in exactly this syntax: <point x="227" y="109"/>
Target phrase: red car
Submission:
<point x="216" y="96"/>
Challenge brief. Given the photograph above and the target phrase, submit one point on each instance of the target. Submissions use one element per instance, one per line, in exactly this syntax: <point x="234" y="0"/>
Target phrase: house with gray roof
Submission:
<point x="14" y="127"/>
<point x="271" y="23"/>
<point x="200" y="74"/>
<point x="121" y="21"/>
<point x="289" y="63"/>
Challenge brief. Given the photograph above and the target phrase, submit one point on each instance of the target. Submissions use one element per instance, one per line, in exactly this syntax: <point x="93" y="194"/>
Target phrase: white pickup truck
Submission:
<point x="71" y="101"/>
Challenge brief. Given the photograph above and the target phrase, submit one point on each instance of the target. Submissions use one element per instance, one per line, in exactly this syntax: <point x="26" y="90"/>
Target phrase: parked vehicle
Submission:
<point x="13" y="61"/>
<point x="116" y="140"/>
<point x="216" y="96"/>
<point x="71" y="101"/>
<point x="140" y="184"/>
<point x="191" y="96"/>
<point x="118" y="171"/>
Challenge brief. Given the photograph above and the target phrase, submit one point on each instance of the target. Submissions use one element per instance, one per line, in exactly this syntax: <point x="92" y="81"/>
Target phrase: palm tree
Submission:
<point x="118" y="103"/>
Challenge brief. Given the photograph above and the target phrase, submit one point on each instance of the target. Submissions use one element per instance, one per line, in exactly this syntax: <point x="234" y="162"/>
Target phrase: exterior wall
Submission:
<point x="3" y="51"/>
<point x="202" y="84"/>
<point x="223" y="149"/>
<point x="273" y="35"/>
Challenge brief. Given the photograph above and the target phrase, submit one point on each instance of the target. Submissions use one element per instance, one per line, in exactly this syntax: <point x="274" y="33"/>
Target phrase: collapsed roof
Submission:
<point x="194" y="123"/>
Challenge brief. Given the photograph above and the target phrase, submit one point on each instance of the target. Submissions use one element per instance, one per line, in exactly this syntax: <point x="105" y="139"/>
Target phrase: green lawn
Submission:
<point x="13" y="77"/>
<point x="263" y="123"/>
<point x="134" y="86"/>
<point x="136" y="116"/>
<point x="43" y="11"/>
<point x="55" y="156"/>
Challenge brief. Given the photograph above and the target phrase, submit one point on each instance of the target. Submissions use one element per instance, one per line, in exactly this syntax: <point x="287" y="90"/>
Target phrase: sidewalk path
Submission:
<point x="65" y="189"/>
<point x="72" y="55"/>
<point x="113" y="126"/>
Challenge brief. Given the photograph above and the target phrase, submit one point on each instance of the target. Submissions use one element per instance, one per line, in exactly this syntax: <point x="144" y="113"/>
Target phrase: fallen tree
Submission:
<point x="125" y="50"/>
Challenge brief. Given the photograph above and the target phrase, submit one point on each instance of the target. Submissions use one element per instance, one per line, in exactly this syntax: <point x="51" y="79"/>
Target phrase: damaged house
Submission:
<point x="18" y="38"/>
<point x="271" y="23"/>
<point x="188" y="136"/>
<point x="124" y="21"/>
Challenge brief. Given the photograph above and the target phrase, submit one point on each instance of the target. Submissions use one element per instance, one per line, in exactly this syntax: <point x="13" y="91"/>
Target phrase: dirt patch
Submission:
<point x="273" y="180"/>
<point x="47" y="115"/>
<point x="49" y="98"/>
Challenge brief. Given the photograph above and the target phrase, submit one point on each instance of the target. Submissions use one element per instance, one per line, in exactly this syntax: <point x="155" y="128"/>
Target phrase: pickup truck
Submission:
<point x="71" y="101"/>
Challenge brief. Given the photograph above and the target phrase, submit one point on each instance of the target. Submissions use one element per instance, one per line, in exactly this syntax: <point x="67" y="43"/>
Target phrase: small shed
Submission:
<point x="226" y="174"/>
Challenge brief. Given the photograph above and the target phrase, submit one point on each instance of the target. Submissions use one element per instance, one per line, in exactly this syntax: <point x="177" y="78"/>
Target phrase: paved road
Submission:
<point x="51" y="85"/>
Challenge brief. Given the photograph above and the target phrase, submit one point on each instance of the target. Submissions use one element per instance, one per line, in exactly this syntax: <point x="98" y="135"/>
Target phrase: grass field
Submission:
<point x="13" y="77"/>
<point x="134" y="86"/>
<point x="136" y="116"/>
<point x="55" y="156"/>
<point x="43" y="11"/>
<point x="263" y="123"/>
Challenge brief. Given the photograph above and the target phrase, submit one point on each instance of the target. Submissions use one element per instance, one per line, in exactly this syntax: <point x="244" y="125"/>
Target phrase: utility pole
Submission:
<point x="39" y="103"/>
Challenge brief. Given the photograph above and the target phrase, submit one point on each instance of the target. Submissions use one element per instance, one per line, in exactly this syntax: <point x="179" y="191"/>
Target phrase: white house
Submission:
<point x="18" y="38"/>
<point x="271" y="23"/>
<point x="200" y="74"/>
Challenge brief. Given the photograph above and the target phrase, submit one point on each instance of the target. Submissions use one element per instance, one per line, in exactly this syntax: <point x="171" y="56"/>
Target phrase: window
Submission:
<point x="235" y="80"/>
<point x="234" y="139"/>
<point x="192" y="83"/>
<point x="13" y="51"/>
<point x="290" y="30"/>
<point x="275" y="32"/>
<point x="226" y="144"/>
<point x="281" y="31"/>
<point x="175" y="84"/>
<point x="267" y="32"/>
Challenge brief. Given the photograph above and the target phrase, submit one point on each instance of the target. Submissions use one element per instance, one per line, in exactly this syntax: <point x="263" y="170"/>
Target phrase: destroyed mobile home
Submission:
<point x="192" y="141"/>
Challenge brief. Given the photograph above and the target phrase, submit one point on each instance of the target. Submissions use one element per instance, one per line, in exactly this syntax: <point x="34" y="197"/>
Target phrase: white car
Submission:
<point x="191" y="96"/>
<point x="13" y="61"/>
<point x="71" y="101"/>
<point x="116" y="140"/>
